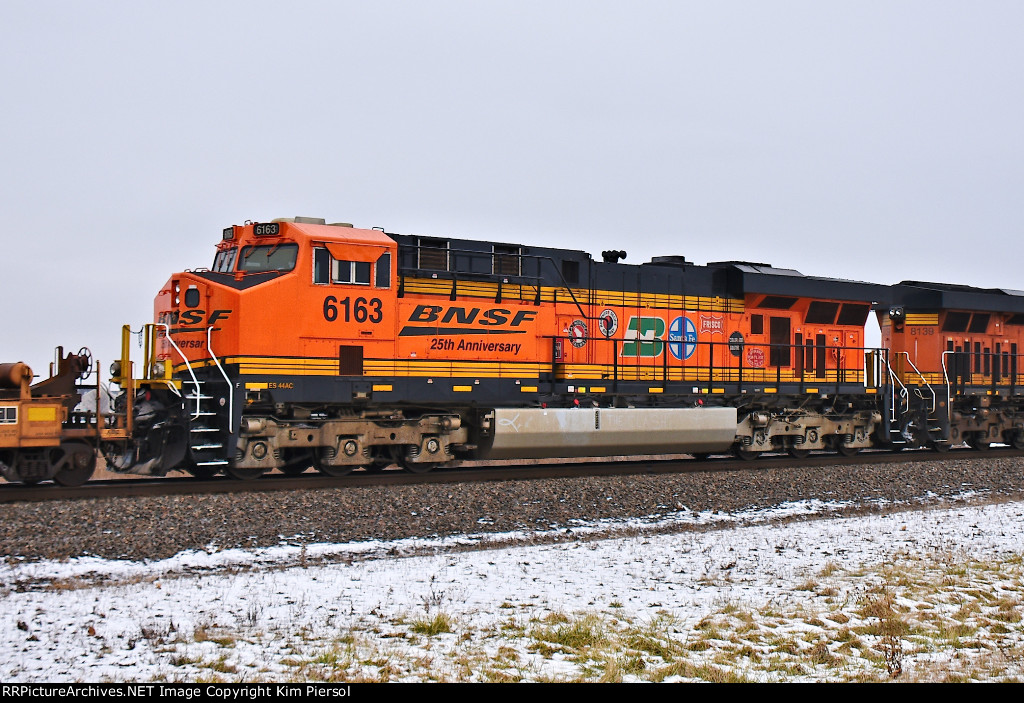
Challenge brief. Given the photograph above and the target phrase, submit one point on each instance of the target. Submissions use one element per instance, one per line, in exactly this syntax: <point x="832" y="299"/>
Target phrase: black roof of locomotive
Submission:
<point x="923" y="295"/>
<point x="663" y="274"/>
<point x="747" y="277"/>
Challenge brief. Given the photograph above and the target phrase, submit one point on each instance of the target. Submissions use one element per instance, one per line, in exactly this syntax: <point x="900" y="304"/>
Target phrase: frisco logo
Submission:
<point x="712" y="325"/>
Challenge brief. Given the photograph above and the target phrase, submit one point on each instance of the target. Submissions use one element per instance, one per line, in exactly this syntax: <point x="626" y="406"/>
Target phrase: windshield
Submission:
<point x="225" y="260"/>
<point x="268" y="257"/>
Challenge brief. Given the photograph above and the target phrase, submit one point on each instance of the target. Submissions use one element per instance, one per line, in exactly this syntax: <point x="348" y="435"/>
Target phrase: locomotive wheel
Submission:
<point x="979" y="441"/>
<point x="799" y="453"/>
<point x="335" y="471"/>
<point x="941" y="447"/>
<point x="243" y="474"/>
<point x="420" y="467"/>
<point x="77" y="462"/>
<point x="701" y="456"/>
<point x="1014" y="438"/>
<point x="745" y="454"/>
<point x="847" y="451"/>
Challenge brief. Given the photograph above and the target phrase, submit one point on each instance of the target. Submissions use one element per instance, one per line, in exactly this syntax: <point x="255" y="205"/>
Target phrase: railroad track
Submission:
<point x="11" y="493"/>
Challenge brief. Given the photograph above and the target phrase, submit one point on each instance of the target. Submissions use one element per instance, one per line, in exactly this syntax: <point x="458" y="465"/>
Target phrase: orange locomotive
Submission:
<point x="955" y="357"/>
<point x="308" y="344"/>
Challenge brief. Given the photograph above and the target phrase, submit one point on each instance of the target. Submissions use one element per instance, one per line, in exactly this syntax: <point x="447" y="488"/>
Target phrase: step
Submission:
<point x="219" y="462"/>
<point x="204" y="429"/>
<point x="200" y="447"/>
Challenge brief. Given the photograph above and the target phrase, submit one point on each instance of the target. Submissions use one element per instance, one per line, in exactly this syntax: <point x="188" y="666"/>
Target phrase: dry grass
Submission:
<point x="917" y="619"/>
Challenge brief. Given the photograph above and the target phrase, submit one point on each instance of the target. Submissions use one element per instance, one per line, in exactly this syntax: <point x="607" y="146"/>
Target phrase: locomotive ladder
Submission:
<point x="202" y="437"/>
<point x="898" y="433"/>
<point x="204" y="446"/>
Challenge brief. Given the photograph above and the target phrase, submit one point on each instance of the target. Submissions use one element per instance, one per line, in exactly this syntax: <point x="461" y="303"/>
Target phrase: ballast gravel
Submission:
<point x="543" y="509"/>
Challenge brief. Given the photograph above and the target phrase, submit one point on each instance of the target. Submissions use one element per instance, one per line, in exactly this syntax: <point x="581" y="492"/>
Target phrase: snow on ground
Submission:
<point x="929" y="595"/>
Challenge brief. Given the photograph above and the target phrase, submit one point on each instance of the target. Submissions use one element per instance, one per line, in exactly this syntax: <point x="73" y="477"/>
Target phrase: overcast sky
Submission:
<point x="878" y="141"/>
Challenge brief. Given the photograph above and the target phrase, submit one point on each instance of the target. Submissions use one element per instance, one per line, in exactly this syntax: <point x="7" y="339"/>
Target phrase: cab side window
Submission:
<point x="321" y="266"/>
<point x="327" y="269"/>
<point x="383" y="265"/>
<point x="357" y="272"/>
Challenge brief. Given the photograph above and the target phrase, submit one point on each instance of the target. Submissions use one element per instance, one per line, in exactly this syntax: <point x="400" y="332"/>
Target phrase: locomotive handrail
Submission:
<point x="923" y="379"/>
<point x="565" y="284"/>
<point x="945" y="376"/>
<point x="661" y="368"/>
<point x="536" y="280"/>
<point x="150" y="333"/>
<point x="195" y="381"/>
<point x="904" y="393"/>
<point x="471" y="275"/>
<point x="231" y="395"/>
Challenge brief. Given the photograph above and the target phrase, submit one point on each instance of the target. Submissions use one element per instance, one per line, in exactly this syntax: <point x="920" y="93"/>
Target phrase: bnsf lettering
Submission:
<point x="461" y="316"/>
<point x="495" y="317"/>
<point x="523" y="316"/>
<point x="425" y="313"/>
<point x="193" y="317"/>
<point x="467" y="316"/>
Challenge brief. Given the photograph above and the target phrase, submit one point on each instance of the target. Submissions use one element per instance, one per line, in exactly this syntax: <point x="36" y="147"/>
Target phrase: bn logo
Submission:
<point x="643" y="337"/>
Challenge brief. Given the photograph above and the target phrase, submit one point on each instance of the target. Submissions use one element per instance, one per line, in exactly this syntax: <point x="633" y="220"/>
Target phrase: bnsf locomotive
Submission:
<point x="322" y="345"/>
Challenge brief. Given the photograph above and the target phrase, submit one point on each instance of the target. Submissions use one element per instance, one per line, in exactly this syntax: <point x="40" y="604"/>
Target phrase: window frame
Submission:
<point x="254" y="248"/>
<point x="335" y="266"/>
<point x="224" y="261"/>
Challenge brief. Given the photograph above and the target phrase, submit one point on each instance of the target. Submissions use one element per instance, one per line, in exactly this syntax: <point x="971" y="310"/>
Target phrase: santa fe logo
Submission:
<point x="682" y="338"/>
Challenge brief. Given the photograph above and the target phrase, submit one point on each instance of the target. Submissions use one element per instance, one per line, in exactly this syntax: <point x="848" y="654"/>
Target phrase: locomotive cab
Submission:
<point x="288" y="310"/>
